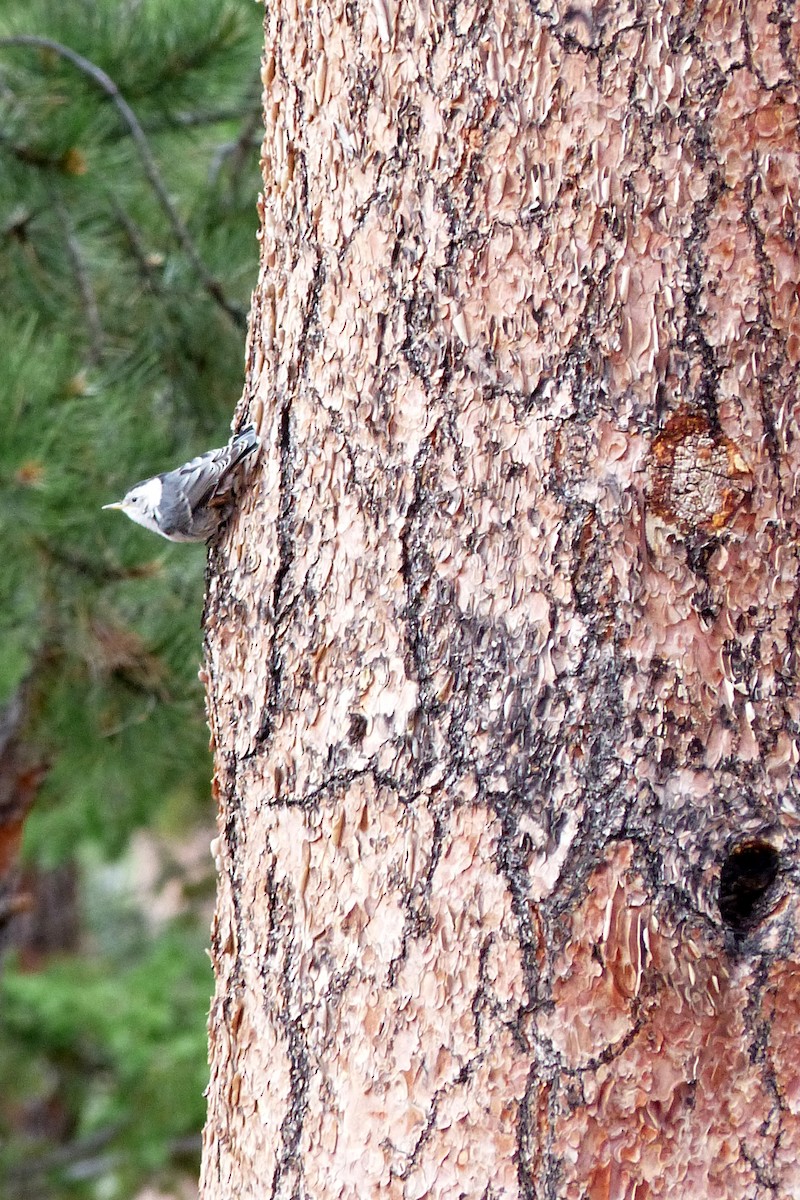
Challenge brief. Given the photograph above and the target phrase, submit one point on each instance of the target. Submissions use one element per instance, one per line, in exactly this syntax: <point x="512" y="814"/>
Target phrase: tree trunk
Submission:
<point x="500" y="649"/>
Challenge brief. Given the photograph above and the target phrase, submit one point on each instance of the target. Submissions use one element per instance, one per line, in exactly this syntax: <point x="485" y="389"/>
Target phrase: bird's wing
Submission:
<point x="175" y="511"/>
<point x="201" y="479"/>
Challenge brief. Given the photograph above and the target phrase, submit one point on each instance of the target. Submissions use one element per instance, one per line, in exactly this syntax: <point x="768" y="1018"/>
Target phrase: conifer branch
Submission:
<point x="100" y="573"/>
<point x="239" y="148"/>
<point x="107" y="85"/>
<point x="189" y="120"/>
<point x="83" y="280"/>
<point x="21" y="1175"/>
<point x="136" y="244"/>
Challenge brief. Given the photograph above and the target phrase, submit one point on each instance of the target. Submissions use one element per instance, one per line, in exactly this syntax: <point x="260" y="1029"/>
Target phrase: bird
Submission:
<point x="189" y="503"/>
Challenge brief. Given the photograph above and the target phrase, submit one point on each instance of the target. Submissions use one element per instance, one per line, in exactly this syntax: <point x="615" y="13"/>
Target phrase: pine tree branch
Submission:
<point x="82" y="278"/>
<point x="107" y="85"/>
<point x="68" y="1156"/>
<point x="188" y="120"/>
<point x="99" y="573"/>
<point x="136" y="244"/>
<point x="27" y="155"/>
<point x="82" y="1161"/>
<point x="239" y="149"/>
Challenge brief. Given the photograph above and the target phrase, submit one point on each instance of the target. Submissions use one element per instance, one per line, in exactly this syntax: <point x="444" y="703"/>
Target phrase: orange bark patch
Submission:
<point x="697" y="476"/>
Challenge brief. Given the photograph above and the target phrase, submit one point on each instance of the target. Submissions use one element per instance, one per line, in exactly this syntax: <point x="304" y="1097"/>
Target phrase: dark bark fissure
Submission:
<point x="289" y="1164"/>
<point x="771" y="354"/>
<point x="281" y="606"/>
<point x="417" y="916"/>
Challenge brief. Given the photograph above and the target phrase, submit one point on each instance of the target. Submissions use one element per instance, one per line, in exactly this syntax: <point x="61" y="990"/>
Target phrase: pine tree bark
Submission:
<point x="500" y="649"/>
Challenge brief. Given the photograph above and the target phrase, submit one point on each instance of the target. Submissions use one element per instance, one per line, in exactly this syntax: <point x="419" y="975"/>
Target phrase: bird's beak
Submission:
<point x="117" y="504"/>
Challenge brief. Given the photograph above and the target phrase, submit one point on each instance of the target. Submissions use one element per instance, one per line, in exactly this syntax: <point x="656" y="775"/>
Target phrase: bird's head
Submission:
<point x="141" y="503"/>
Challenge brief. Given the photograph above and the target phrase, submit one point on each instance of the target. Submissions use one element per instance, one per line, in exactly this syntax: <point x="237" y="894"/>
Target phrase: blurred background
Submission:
<point x="129" y="137"/>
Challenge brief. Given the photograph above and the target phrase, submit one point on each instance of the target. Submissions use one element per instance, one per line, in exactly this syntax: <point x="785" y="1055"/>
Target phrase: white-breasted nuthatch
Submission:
<point x="188" y="504"/>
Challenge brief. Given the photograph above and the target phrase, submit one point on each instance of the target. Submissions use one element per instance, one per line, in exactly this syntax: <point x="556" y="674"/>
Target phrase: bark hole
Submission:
<point x="746" y="884"/>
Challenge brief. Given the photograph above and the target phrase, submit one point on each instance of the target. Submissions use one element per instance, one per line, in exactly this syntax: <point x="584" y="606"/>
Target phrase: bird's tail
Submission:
<point x="243" y="443"/>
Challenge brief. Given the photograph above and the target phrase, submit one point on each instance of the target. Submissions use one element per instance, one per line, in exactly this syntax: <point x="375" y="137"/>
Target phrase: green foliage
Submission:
<point x="118" y="362"/>
<point x="121" y="1047"/>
